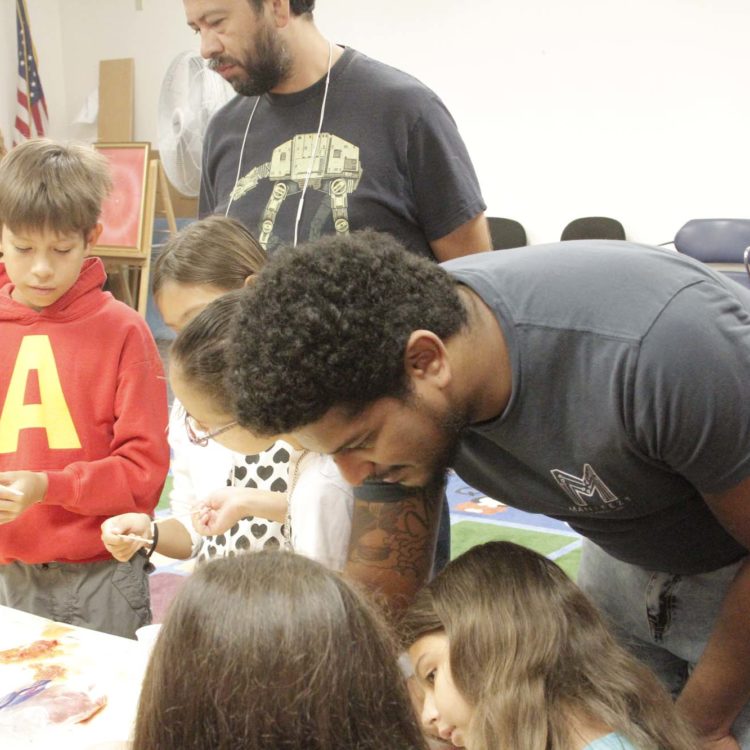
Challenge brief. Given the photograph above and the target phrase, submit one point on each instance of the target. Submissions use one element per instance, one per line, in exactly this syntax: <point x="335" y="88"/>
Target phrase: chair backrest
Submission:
<point x="593" y="228"/>
<point x="723" y="244"/>
<point x="714" y="240"/>
<point x="506" y="233"/>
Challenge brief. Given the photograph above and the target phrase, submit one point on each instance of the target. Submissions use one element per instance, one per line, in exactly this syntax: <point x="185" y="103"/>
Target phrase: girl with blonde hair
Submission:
<point x="510" y="653"/>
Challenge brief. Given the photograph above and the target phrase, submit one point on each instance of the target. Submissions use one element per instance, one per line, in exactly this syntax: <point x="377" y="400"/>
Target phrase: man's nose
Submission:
<point x="210" y="44"/>
<point x="354" y="468"/>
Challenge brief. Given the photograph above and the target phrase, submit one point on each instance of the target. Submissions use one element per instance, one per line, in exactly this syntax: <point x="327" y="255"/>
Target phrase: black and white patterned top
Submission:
<point x="268" y="470"/>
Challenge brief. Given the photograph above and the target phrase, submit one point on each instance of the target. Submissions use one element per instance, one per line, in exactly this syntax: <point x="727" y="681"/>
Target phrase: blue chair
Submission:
<point x="723" y="244"/>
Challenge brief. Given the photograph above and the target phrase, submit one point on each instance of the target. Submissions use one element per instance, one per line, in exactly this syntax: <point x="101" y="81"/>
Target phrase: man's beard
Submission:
<point x="439" y="458"/>
<point x="265" y="68"/>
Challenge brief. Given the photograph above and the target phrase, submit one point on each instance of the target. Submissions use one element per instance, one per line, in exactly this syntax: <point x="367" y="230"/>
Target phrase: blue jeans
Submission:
<point x="663" y="619"/>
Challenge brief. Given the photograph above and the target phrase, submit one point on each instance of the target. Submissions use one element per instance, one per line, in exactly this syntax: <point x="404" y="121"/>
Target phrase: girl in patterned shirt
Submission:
<point x="317" y="514"/>
<point x="198" y="265"/>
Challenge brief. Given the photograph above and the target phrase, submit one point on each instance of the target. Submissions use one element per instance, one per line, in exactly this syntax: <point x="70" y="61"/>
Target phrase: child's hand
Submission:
<point x="220" y="511"/>
<point x="19" y="490"/>
<point x="127" y="523"/>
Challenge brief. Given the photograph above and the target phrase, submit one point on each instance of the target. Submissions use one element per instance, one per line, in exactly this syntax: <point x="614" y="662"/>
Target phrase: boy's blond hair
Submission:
<point x="45" y="185"/>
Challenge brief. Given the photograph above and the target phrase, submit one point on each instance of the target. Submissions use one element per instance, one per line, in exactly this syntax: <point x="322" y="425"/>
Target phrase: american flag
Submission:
<point x="31" y="109"/>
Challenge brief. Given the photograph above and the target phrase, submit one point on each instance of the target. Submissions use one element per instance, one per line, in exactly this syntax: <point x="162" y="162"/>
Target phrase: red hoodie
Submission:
<point x="82" y="398"/>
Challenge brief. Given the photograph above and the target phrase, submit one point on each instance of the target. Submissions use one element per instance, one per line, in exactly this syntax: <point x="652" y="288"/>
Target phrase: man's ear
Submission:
<point x="426" y="358"/>
<point x="281" y="12"/>
<point x="93" y="237"/>
<point x="250" y="279"/>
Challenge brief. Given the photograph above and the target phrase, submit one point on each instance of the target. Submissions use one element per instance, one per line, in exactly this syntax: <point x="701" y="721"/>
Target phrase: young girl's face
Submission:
<point x="180" y="303"/>
<point x="206" y="418"/>
<point x="444" y="709"/>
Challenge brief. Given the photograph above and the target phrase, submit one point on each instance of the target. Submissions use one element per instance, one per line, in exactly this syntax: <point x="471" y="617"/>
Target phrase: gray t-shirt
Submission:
<point x="389" y="158"/>
<point x="630" y="398"/>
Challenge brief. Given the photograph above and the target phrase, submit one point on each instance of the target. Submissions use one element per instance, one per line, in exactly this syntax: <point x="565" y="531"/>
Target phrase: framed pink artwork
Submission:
<point x="123" y="211"/>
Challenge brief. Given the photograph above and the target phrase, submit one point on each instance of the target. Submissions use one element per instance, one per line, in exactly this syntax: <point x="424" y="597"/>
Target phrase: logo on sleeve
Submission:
<point x="588" y="493"/>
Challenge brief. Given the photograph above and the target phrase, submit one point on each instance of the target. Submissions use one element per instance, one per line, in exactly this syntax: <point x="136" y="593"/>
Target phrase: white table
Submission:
<point x="115" y="665"/>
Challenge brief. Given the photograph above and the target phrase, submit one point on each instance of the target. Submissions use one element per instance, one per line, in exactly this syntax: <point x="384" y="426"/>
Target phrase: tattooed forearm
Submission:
<point x="392" y="535"/>
<point x="393" y="544"/>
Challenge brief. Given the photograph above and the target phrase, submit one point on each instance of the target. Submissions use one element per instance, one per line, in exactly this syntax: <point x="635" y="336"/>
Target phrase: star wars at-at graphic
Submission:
<point x="336" y="172"/>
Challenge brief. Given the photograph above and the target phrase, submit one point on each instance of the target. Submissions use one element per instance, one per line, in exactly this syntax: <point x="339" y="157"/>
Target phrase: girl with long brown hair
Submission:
<point x="271" y="651"/>
<point x="510" y="653"/>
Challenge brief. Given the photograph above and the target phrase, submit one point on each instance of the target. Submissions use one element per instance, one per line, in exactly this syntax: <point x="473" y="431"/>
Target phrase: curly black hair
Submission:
<point x="326" y="324"/>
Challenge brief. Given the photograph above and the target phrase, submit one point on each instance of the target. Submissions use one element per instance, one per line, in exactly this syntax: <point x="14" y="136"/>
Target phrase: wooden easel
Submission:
<point x="129" y="271"/>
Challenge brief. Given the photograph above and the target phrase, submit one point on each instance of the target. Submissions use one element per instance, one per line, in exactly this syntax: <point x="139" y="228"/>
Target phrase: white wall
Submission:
<point x="637" y="110"/>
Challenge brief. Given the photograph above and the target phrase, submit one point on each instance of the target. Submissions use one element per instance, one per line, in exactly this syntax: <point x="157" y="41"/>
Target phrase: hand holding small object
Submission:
<point x="220" y="511"/>
<point x="224" y="507"/>
<point x="204" y="519"/>
<point x="135" y="538"/>
<point x="18" y="491"/>
<point x="125" y="534"/>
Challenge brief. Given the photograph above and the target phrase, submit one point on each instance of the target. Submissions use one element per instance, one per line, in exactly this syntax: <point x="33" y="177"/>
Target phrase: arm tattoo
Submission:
<point x="393" y="544"/>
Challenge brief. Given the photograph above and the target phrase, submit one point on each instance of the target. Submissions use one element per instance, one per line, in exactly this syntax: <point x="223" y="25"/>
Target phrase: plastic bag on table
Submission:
<point x="43" y="704"/>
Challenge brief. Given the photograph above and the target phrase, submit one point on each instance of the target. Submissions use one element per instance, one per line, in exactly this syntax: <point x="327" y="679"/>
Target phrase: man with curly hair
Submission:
<point x="601" y="383"/>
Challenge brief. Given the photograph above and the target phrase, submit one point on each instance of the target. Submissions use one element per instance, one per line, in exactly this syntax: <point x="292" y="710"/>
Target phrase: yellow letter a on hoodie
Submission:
<point x="52" y="413"/>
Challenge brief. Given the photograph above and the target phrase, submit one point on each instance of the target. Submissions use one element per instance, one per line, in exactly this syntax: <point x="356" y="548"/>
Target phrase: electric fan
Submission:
<point x="190" y="94"/>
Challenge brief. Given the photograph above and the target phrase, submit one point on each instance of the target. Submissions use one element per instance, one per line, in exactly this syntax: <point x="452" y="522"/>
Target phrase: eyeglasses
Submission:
<point x="198" y="436"/>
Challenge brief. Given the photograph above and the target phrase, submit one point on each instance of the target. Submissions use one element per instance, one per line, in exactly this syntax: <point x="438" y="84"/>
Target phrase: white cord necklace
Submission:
<point x="312" y="159"/>
<point x="242" y="153"/>
<point x="315" y="147"/>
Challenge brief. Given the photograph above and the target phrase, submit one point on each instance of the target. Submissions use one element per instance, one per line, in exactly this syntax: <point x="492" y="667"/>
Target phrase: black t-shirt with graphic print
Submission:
<point x="389" y="158"/>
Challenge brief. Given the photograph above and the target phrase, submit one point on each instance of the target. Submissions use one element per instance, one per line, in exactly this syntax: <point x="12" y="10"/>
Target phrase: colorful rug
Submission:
<point x="476" y="518"/>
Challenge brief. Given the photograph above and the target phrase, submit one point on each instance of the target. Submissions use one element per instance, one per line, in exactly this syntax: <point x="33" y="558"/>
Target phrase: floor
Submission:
<point x="476" y="519"/>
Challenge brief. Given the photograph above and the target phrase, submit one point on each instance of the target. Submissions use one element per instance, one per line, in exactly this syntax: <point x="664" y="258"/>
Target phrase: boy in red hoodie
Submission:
<point x="83" y="407"/>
